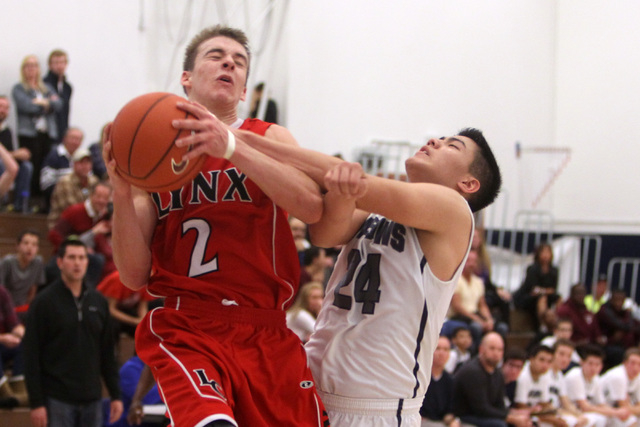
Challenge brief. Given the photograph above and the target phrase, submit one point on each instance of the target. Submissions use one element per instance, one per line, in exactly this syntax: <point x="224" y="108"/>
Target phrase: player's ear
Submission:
<point x="185" y="80"/>
<point x="469" y="184"/>
<point x="244" y="94"/>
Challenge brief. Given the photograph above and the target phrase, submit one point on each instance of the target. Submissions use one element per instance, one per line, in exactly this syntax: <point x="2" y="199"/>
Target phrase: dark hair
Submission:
<point x="31" y="231"/>
<point x="485" y="169"/>
<point x="458" y="329"/>
<point x="591" y="350"/>
<point x="515" y="353"/>
<point x="208" y="33"/>
<point x="540" y="348"/>
<point x="69" y="241"/>
<point x="631" y="351"/>
<point x="563" y="342"/>
<point x="563" y="320"/>
<point x="310" y="254"/>
<point x="538" y="251"/>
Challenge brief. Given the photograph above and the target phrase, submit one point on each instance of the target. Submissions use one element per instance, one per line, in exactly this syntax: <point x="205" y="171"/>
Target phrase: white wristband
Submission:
<point x="231" y="145"/>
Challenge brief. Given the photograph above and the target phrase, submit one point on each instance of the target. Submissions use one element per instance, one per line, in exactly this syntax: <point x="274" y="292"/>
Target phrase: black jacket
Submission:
<point x="69" y="346"/>
<point x="62" y="116"/>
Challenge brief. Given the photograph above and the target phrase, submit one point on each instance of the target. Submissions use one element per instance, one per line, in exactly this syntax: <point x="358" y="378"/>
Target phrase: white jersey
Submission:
<point x="617" y="386"/>
<point x="381" y="317"/>
<point x="578" y="388"/>
<point x="529" y="391"/>
<point x="557" y="387"/>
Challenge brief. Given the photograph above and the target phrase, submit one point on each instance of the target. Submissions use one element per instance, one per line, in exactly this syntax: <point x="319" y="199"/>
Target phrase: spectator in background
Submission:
<point x="621" y="384"/>
<point x="8" y="171"/>
<point x="129" y="376"/>
<point x="478" y="389"/>
<point x="584" y="390"/>
<point x="299" y="231"/>
<point x="563" y="330"/>
<point x="539" y="291"/>
<point x="511" y="367"/>
<point x="58" y="162"/>
<point x="571" y="415"/>
<point x="461" y="343"/>
<point x="533" y="388"/>
<point x="57" y="79"/>
<point x="99" y="168"/>
<point x="468" y="306"/>
<point x="585" y="326"/>
<point x="91" y="222"/>
<point x="21" y="273"/>
<point x="618" y="325"/>
<point x="437" y="406"/>
<point x="22" y="181"/>
<point x="497" y="298"/>
<point x="36" y="105"/>
<point x="74" y="187"/>
<point x="127" y="307"/>
<point x="271" y="111"/>
<point x="11" y="333"/>
<point x="600" y="295"/>
<point x="69" y="348"/>
<point x="302" y="315"/>
<point x="316" y="265"/>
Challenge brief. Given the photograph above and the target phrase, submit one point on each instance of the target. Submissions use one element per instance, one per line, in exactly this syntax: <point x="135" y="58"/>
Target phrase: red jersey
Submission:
<point x="220" y="238"/>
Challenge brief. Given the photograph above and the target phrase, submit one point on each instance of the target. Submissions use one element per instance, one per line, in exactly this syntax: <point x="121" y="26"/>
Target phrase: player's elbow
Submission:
<point x="134" y="280"/>
<point x="309" y="209"/>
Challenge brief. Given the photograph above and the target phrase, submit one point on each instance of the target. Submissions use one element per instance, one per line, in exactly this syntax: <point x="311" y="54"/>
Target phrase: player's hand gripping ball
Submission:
<point x="143" y="143"/>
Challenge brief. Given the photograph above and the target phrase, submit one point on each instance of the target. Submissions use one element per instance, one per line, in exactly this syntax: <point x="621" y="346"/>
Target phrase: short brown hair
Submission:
<point x="208" y="33"/>
<point x="631" y="351"/>
<point x="55" y="53"/>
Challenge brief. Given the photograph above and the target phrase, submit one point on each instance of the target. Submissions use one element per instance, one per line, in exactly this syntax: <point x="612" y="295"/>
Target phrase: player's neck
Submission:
<point x="226" y="113"/>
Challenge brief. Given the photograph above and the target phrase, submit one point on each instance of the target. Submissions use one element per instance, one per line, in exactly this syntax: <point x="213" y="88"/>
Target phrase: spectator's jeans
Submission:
<point x="61" y="414"/>
<point x="14" y="354"/>
<point x="483" y="422"/>
<point x="22" y="184"/>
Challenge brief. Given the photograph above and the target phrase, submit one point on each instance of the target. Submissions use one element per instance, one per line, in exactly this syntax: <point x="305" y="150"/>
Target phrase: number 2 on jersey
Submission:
<point x="198" y="265"/>
<point x="366" y="285"/>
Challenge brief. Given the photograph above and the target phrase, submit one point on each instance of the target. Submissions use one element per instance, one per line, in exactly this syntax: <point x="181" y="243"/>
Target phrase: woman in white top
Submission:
<point x="301" y="317"/>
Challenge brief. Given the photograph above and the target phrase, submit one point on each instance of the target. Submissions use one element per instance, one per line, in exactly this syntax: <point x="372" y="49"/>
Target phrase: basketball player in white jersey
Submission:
<point x="406" y="244"/>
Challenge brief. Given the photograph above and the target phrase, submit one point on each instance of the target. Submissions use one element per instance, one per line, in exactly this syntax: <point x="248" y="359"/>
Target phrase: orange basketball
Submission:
<point x="142" y="140"/>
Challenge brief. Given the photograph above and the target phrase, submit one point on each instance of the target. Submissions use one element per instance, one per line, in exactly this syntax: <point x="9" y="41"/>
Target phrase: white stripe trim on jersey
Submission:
<point x="178" y="362"/>
<point x="381" y="407"/>
<point x="218" y="417"/>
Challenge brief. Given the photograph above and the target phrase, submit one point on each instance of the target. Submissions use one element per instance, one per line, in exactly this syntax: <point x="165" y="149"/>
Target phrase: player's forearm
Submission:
<point x="312" y="163"/>
<point x="287" y="186"/>
<point x="131" y="245"/>
<point x="337" y="224"/>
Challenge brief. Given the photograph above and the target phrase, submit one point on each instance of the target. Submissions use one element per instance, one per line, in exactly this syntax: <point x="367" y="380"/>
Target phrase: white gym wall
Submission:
<point x="546" y="73"/>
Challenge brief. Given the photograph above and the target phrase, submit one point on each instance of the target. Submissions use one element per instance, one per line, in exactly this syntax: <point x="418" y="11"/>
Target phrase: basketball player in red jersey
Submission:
<point x="225" y="261"/>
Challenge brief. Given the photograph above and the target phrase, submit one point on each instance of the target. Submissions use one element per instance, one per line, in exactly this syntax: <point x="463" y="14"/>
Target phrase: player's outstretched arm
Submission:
<point x="133" y="222"/>
<point x="420" y="205"/>
<point x="287" y="186"/>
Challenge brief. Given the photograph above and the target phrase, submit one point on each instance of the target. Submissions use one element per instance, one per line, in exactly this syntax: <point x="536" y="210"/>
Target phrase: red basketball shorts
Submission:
<point x="228" y="363"/>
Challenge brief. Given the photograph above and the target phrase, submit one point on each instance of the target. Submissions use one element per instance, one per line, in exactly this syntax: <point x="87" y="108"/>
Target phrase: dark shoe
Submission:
<point x="8" y="402"/>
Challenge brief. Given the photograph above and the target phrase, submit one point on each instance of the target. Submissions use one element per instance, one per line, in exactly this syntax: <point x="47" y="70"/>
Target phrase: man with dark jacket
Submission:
<point x="57" y="79"/>
<point x="478" y="389"/>
<point x="69" y="347"/>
